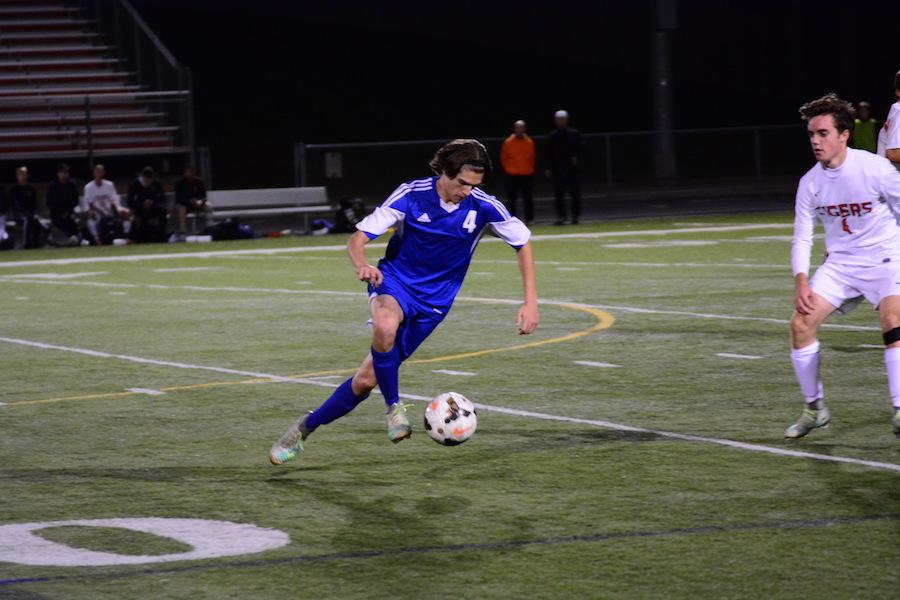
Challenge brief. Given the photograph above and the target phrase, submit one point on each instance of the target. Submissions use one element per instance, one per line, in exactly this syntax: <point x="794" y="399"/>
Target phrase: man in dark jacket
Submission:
<point x="190" y="197"/>
<point x="564" y="149"/>
<point x="62" y="199"/>
<point x="23" y="198"/>
<point x="147" y="203"/>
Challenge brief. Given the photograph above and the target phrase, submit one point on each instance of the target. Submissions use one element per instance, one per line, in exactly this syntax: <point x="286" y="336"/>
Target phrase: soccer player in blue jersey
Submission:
<point x="438" y="222"/>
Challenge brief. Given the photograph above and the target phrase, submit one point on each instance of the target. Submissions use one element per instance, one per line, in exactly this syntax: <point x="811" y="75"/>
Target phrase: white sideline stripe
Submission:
<point x="160" y="363"/>
<point x="180" y="269"/>
<point x="488" y="407"/>
<point x="743" y="356"/>
<point x="872" y="346"/>
<point x="451" y="372"/>
<point x="627" y="309"/>
<point x="592" y="363"/>
<point x="342" y="247"/>
<point x="60" y="275"/>
<point x="147" y="391"/>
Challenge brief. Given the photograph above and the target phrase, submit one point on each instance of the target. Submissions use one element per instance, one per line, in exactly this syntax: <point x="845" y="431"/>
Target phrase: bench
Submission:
<point x="266" y="203"/>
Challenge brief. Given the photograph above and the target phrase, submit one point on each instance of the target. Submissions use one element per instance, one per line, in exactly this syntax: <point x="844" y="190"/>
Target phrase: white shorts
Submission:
<point x="839" y="283"/>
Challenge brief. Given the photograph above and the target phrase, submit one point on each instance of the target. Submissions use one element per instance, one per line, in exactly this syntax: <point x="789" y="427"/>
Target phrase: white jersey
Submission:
<point x="101" y="198"/>
<point x="854" y="203"/>
<point x="889" y="134"/>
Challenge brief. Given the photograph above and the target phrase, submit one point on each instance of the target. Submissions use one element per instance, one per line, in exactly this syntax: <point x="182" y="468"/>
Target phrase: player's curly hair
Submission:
<point x="455" y="155"/>
<point x="897" y="81"/>
<point x="841" y="111"/>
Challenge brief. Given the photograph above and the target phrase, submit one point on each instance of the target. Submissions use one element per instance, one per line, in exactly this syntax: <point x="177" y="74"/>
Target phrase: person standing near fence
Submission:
<point x="889" y="136"/>
<point x="865" y="130"/>
<point x="517" y="158"/>
<point x="564" y="150"/>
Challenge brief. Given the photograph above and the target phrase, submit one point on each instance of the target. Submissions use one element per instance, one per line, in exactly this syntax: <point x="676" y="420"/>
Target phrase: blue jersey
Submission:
<point x="432" y="246"/>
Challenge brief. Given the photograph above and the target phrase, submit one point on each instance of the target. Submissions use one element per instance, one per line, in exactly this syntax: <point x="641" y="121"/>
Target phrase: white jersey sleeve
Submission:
<point x="502" y="223"/>
<point x="889" y="185"/>
<point x="804" y="226"/>
<point x="391" y="212"/>
<point x="889" y="135"/>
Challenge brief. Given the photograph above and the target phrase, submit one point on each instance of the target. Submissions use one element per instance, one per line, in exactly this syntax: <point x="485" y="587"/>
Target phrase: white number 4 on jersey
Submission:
<point x="469" y="224"/>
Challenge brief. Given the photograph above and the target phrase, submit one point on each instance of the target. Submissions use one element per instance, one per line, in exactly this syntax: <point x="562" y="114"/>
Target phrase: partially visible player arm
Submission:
<point x="380" y="221"/>
<point x="527" y="318"/>
<point x="801" y="249"/>
<point x="356" y="248"/>
<point x="512" y="231"/>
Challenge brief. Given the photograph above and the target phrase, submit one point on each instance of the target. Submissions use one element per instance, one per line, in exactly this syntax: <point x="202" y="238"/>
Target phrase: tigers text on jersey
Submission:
<point x="854" y="203"/>
<point x="434" y="240"/>
<point x="889" y="134"/>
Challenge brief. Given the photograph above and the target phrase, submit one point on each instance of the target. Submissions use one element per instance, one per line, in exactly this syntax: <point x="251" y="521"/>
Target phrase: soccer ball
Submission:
<point x="450" y="419"/>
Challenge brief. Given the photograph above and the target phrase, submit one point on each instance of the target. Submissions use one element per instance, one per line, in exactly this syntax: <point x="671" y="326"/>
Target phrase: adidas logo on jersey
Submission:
<point x="424" y="218"/>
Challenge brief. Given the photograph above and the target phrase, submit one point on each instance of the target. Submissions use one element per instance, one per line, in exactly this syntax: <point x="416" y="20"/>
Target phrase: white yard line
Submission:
<point x="452" y="372"/>
<point x="738" y="356"/>
<point x="593" y="363"/>
<point x="487" y="407"/>
<point x="342" y="247"/>
<point x="147" y="391"/>
<point x="626" y="309"/>
<point x="180" y="269"/>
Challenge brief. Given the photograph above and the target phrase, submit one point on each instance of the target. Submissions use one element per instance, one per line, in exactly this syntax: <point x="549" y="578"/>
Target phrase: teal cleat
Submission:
<point x="290" y="444"/>
<point x="398" y="423"/>
<point x="809" y="419"/>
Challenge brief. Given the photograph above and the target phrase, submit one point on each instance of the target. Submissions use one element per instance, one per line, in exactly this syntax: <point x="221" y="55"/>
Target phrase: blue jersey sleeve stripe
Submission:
<point x="504" y="213"/>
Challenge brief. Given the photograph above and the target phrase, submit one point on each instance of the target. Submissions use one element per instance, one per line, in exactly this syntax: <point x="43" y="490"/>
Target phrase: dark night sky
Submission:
<point x="269" y="72"/>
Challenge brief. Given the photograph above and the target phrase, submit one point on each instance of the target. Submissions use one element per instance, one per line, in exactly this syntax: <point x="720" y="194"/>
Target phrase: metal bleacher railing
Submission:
<point x="611" y="160"/>
<point x="87" y="79"/>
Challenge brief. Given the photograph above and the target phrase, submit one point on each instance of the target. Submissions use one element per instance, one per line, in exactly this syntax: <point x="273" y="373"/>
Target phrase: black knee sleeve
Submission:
<point x="892" y="336"/>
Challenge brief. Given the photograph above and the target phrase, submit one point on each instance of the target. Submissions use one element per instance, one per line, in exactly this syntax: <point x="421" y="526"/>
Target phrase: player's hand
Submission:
<point x="527" y="319"/>
<point x="370" y="274"/>
<point x="805" y="301"/>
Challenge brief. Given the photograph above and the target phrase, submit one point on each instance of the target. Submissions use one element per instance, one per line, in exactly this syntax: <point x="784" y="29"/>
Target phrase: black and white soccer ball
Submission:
<point x="450" y="419"/>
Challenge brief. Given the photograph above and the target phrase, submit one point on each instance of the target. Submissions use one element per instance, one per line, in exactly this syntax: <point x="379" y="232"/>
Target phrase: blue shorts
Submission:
<point x="419" y="319"/>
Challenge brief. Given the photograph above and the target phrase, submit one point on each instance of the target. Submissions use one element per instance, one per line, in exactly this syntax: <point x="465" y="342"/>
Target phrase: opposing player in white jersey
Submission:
<point x="851" y="192"/>
<point x="889" y="135"/>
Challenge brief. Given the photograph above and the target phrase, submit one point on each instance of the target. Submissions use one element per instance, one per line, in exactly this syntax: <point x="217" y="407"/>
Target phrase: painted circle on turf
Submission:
<point x="208" y="539"/>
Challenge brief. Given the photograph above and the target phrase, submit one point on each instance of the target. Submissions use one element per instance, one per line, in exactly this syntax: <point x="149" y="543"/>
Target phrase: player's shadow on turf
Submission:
<point x="855" y="349"/>
<point x="14" y="593"/>
<point x="575" y="438"/>
<point x="182" y="474"/>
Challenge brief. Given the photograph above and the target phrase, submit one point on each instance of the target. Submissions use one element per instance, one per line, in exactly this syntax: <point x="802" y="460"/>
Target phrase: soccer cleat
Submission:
<point x="398" y="423"/>
<point x="809" y="419"/>
<point x="290" y="444"/>
<point x="896" y="422"/>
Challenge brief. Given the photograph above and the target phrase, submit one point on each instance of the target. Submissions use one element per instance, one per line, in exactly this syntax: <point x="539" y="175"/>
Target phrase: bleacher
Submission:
<point x="68" y="90"/>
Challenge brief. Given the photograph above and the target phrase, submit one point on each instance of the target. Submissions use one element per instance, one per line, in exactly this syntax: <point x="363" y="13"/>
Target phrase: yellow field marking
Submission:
<point x="604" y="321"/>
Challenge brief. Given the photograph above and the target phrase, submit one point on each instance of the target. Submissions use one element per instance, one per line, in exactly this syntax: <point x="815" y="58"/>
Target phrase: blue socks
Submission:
<point x="387" y="372"/>
<point x="341" y="402"/>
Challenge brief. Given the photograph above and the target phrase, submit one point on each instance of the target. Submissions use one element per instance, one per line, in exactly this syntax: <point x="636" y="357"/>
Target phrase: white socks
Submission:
<point x="892" y="362"/>
<point x="806" y="366"/>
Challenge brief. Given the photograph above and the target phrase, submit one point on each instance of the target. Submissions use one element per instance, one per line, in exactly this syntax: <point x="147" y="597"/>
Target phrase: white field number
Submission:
<point x="207" y="539"/>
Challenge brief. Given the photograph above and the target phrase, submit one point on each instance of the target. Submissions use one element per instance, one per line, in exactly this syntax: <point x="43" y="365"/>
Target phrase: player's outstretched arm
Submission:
<point x="356" y="248"/>
<point x="527" y="318"/>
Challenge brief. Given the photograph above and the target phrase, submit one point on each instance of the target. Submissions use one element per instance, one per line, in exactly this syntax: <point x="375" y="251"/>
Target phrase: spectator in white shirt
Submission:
<point x="105" y="217"/>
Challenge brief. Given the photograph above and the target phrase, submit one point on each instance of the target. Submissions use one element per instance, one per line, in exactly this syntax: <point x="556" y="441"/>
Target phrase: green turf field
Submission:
<point x="593" y="490"/>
